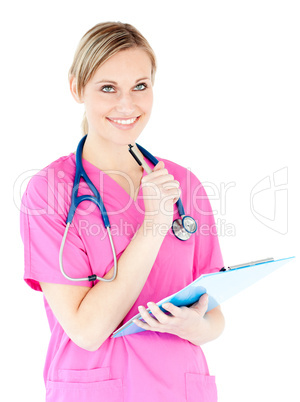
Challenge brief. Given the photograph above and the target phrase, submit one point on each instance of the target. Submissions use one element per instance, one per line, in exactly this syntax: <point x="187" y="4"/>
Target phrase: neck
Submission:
<point x="106" y="155"/>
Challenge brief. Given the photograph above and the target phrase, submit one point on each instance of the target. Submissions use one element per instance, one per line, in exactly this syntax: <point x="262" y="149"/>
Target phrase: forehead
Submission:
<point x="126" y="64"/>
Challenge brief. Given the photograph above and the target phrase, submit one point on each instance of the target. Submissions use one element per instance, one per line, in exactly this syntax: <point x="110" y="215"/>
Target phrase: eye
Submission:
<point x="108" y="88"/>
<point x="140" y="87"/>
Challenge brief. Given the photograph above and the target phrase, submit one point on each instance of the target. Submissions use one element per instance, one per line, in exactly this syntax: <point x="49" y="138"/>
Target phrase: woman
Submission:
<point x="112" y="74"/>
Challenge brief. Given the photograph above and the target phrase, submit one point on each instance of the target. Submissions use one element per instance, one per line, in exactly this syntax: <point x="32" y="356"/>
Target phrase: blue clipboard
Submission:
<point x="220" y="286"/>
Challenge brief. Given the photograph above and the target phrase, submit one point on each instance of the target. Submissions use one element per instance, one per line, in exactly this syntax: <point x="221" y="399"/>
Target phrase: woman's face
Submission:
<point x="118" y="98"/>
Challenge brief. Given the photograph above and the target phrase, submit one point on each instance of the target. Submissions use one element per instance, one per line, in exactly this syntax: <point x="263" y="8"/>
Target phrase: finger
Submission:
<point x="171" y="194"/>
<point x="201" y="305"/>
<point x="151" y="321"/>
<point x="155" y="176"/>
<point x="174" y="310"/>
<point x="158" y="313"/>
<point x="170" y="183"/>
<point x="176" y="198"/>
<point x="159" y="178"/>
<point x="163" y="178"/>
<point x="142" y="324"/>
<point x="159" y="166"/>
<point x="204" y="299"/>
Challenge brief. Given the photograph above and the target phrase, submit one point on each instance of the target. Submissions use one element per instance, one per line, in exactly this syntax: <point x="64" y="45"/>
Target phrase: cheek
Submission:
<point x="148" y="102"/>
<point x="97" y="108"/>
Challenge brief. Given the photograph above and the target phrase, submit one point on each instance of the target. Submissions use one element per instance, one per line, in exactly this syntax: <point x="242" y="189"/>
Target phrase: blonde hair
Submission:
<point x="99" y="44"/>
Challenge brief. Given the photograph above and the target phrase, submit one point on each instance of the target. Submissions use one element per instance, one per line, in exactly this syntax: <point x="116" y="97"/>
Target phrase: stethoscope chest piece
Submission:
<point x="183" y="228"/>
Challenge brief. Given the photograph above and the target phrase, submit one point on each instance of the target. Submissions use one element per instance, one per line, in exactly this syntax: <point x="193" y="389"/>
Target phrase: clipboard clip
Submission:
<point x="246" y="264"/>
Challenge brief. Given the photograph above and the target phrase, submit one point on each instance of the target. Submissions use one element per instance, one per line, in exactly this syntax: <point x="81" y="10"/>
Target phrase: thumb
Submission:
<point x="159" y="166"/>
<point x="201" y="305"/>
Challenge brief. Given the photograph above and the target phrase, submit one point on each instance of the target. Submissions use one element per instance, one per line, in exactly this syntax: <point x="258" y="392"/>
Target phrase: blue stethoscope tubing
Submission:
<point x="182" y="228"/>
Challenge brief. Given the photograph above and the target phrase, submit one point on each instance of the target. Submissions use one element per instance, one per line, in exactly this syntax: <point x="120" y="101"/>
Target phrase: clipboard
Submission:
<point x="220" y="286"/>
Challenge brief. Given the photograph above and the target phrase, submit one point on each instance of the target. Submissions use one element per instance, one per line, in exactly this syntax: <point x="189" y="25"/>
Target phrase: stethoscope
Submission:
<point x="182" y="228"/>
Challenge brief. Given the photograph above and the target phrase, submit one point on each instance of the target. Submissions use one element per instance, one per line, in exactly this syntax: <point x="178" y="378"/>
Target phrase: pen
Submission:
<point x="141" y="161"/>
<point x="246" y="264"/>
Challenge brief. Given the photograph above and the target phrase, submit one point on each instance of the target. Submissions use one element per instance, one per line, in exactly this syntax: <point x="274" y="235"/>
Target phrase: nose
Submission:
<point x="125" y="104"/>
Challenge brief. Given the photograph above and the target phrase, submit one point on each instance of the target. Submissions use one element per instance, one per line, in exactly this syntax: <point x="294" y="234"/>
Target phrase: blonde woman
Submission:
<point x="112" y="75"/>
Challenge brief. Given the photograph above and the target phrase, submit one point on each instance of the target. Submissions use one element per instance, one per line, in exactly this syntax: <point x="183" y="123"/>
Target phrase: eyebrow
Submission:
<point x="115" y="83"/>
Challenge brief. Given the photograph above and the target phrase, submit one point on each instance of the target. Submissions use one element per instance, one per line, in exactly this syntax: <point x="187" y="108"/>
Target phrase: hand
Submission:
<point x="160" y="193"/>
<point x="186" y="322"/>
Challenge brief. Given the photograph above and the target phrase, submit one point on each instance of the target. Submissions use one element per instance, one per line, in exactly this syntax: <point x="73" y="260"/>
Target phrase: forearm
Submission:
<point x="107" y="303"/>
<point x="210" y="327"/>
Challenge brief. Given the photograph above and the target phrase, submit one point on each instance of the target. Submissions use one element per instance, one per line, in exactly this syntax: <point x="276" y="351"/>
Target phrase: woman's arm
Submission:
<point x="90" y="315"/>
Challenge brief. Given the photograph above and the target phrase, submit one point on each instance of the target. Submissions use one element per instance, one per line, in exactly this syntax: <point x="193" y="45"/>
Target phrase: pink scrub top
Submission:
<point x="147" y="366"/>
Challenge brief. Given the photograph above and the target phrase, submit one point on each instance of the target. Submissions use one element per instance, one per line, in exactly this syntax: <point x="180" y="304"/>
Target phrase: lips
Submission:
<point x="123" y="124"/>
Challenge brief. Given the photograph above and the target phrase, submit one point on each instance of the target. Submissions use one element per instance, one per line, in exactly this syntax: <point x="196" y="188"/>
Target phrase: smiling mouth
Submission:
<point x="124" y="122"/>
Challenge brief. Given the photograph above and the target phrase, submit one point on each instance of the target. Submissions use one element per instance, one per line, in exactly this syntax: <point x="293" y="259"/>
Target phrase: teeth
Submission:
<point x="129" y="121"/>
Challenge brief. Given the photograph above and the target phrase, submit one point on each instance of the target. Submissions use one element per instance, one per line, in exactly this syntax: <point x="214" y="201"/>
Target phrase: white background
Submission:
<point x="227" y="107"/>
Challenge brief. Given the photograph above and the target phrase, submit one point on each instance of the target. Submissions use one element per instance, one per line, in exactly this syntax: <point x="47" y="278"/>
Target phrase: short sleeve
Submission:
<point x="207" y="255"/>
<point x="42" y="229"/>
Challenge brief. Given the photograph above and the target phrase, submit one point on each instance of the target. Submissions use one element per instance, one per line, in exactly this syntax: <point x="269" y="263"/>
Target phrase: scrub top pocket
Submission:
<point x="200" y="388"/>
<point x="84" y="385"/>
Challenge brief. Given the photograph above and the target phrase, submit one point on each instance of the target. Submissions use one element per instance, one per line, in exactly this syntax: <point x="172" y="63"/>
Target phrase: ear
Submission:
<point x="73" y="89"/>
